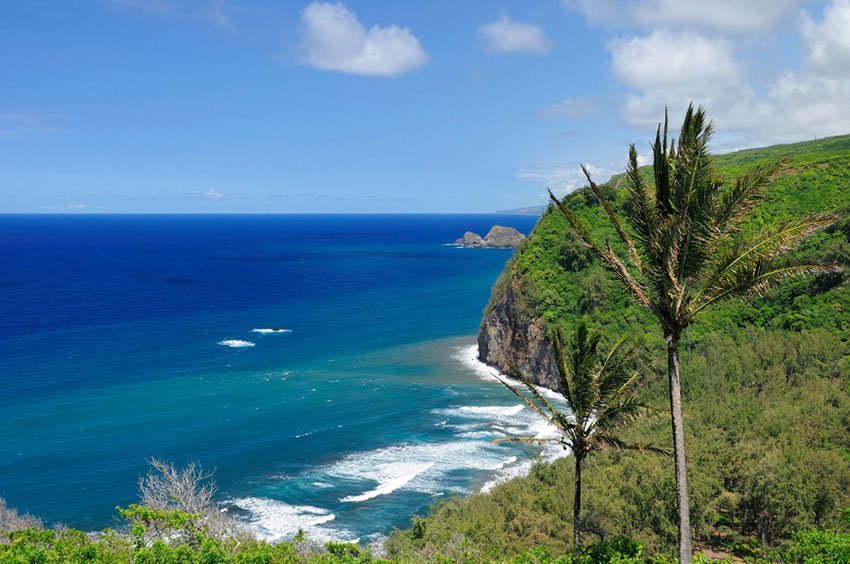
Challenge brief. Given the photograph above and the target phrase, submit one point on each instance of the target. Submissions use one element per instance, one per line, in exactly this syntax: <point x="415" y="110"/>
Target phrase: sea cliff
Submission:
<point x="509" y="338"/>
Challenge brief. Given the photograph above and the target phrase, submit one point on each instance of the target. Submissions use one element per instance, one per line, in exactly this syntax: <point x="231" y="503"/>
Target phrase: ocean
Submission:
<point x="323" y="366"/>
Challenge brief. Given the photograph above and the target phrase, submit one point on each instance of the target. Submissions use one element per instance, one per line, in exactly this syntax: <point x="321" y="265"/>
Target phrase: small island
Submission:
<point x="499" y="237"/>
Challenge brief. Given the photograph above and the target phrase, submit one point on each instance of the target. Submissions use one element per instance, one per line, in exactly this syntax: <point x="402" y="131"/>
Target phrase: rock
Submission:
<point x="508" y="338"/>
<point x="470" y="239"/>
<point x="503" y="237"/>
<point x="498" y="237"/>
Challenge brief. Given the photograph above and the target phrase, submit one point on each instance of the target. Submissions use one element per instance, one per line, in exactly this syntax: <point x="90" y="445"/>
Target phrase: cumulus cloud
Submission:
<point x="508" y="36"/>
<point x="334" y="39"/>
<point x="570" y="107"/>
<point x="735" y="16"/>
<point x="828" y="41"/>
<point x="563" y="180"/>
<point x="669" y="69"/>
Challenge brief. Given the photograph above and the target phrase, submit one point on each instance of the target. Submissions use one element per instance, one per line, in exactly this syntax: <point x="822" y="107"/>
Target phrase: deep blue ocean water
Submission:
<point x="367" y="410"/>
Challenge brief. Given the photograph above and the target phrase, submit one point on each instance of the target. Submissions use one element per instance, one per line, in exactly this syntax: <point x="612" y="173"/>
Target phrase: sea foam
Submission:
<point x="468" y="356"/>
<point x="274" y="520"/>
<point x="420" y="468"/>
<point x="236" y="343"/>
<point x="392" y="477"/>
<point x="269" y="330"/>
<point x="507" y="421"/>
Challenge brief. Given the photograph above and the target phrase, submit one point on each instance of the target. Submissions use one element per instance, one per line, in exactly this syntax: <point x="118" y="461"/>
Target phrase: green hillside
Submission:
<point x="766" y="391"/>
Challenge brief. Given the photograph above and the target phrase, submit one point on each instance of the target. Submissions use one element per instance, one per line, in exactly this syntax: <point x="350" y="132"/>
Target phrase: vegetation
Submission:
<point x="686" y="251"/>
<point x="766" y="404"/>
<point x="600" y="393"/>
<point x="766" y="400"/>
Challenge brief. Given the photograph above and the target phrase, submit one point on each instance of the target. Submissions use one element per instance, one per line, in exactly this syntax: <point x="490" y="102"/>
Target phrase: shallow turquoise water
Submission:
<point x="365" y="412"/>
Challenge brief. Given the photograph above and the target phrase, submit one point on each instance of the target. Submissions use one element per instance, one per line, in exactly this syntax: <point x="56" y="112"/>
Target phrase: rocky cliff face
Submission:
<point x="508" y="338"/>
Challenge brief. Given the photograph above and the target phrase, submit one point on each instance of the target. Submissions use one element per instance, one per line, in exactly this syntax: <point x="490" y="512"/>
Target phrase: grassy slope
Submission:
<point x="766" y="383"/>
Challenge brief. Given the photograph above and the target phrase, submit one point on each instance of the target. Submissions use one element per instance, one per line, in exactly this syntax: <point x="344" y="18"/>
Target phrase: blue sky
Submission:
<point x="113" y="106"/>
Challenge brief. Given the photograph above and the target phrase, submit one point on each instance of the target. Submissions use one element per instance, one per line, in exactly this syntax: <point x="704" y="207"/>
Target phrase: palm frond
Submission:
<point x="562" y="366"/>
<point x="540" y="403"/>
<point x="759" y="277"/>
<point x="526" y="400"/>
<point x="645" y="220"/>
<point x="661" y="170"/>
<point x="770" y="244"/>
<point x="578" y="226"/>
<point x="738" y="202"/>
<point x="628" y="409"/>
<point x="615" y="221"/>
<point x="619" y="269"/>
<point x="608" y="256"/>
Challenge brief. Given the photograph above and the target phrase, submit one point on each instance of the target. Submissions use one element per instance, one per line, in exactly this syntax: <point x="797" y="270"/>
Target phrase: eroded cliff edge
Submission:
<point x="510" y="336"/>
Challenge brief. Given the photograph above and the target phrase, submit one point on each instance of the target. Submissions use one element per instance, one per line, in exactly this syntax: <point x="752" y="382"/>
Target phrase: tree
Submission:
<point x="169" y="494"/>
<point x="687" y="248"/>
<point x="600" y="393"/>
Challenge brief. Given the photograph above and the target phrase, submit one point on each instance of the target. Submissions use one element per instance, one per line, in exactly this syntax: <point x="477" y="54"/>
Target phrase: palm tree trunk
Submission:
<point x="685" y="551"/>
<point x="577" y="502"/>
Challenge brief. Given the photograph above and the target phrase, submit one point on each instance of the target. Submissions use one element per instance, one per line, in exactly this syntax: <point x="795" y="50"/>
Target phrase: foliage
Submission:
<point x="688" y="247"/>
<point x="767" y="395"/>
<point x="600" y="391"/>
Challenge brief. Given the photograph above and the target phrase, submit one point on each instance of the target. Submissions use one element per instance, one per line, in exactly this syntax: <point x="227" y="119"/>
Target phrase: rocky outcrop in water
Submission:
<point x="498" y="238"/>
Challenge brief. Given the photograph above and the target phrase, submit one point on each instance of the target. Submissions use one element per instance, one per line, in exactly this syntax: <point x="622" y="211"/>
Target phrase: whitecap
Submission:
<point x="493" y="409"/>
<point x="235" y="343"/>
<point x="271" y="330"/>
<point x="274" y="520"/>
<point x="391" y="478"/>
<point x="468" y="356"/>
<point x="415" y="467"/>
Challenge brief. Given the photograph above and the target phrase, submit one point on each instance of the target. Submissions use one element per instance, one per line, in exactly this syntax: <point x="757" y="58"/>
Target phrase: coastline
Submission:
<point x="411" y="469"/>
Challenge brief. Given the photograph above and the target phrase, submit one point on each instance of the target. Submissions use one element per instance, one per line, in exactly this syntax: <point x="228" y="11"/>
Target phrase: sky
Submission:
<point x="383" y="106"/>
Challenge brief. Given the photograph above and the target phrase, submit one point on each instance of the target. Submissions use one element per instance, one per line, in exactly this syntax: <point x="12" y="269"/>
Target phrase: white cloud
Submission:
<point x="733" y="16"/>
<point x="563" y="180"/>
<point x="570" y="107"/>
<point x="667" y="69"/>
<point x="829" y="41"/>
<point x="214" y="194"/>
<point x="334" y="39"/>
<point x="508" y="36"/>
<point x="666" y="59"/>
<point x="79" y="206"/>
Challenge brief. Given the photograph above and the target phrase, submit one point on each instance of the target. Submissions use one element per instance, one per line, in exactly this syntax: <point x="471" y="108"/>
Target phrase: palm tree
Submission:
<point x="600" y="394"/>
<point x="687" y="249"/>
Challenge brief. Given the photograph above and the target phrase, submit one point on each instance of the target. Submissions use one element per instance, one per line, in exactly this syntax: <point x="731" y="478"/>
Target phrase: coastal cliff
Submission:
<point x="508" y="337"/>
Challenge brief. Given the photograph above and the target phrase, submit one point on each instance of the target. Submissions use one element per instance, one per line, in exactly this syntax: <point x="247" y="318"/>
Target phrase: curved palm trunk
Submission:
<point x="577" y="503"/>
<point x="685" y="551"/>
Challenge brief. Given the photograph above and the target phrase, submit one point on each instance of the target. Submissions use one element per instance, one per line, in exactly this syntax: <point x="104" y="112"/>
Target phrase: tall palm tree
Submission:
<point x="600" y="394"/>
<point x="686" y="249"/>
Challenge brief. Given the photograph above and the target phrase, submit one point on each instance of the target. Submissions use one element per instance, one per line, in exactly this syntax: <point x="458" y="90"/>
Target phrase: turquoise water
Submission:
<point x="129" y="337"/>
